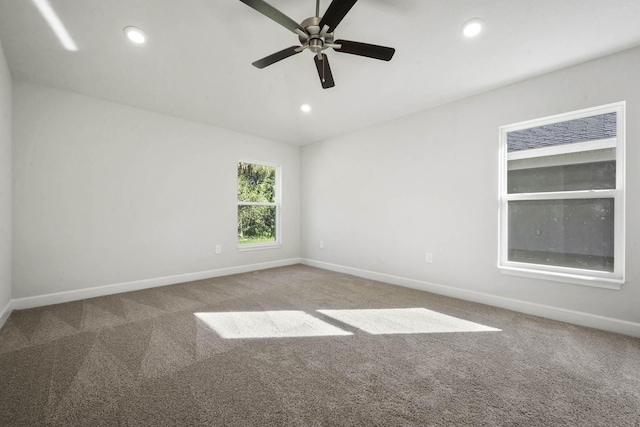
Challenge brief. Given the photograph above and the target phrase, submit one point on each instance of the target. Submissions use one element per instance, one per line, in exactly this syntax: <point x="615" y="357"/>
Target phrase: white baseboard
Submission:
<point x="98" y="291"/>
<point x="6" y="311"/>
<point x="549" y="312"/>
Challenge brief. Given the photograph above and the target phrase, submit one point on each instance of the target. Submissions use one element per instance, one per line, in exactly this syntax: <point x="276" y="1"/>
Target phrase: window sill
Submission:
<point x="576" y="279"/>
<point x="258" y="246"/>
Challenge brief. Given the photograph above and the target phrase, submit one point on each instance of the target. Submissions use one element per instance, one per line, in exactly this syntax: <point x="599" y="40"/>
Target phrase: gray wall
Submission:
<point x="107" y="194"/>
<point x="382" y="197"/>
<point x="5" y="182"/>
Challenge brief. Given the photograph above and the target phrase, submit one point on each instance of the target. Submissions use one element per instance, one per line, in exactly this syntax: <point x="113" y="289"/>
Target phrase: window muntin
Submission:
<point x="562" y="197"/>
<point x="258" y="205"/>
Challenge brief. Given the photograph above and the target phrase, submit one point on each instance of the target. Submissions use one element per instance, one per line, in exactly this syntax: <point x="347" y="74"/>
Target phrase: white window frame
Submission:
<point x="278" y="203"/>
<point x="609" y="280"/>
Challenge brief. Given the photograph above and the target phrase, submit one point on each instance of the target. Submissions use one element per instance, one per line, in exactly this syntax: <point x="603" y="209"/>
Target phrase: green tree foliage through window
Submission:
<point x="257" y="209"/>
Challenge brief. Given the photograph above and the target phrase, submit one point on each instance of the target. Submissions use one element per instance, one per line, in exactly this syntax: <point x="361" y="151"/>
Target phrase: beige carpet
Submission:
<point x="299" y="346"/>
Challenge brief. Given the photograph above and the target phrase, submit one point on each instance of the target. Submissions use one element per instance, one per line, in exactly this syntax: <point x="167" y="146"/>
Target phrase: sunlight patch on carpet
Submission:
<point x="268" y="324"/>
<point x="404" y="321"/>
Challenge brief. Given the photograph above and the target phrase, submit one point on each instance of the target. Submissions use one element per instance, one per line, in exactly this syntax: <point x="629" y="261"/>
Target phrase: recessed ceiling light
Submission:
<point x="136" y="35"/>
<point x="306" y="108"/>
<point x="472" y="27"/>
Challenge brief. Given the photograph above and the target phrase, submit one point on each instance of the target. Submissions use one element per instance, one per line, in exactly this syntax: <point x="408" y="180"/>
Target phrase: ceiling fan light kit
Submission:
<point x="316" y="35"/>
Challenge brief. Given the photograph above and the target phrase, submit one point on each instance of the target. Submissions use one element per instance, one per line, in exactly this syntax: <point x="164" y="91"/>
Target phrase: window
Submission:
<point x="258" y="205"/>
<point x="562" y="197"/>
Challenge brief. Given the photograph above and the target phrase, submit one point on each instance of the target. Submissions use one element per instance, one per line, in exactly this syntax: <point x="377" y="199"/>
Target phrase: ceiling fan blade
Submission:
<point x="278" y="56"/>
<point x="324" y="71"/>
<point x="365" y="49"/>
<point x="335" y="12"/>
<point x="271" y="12"/>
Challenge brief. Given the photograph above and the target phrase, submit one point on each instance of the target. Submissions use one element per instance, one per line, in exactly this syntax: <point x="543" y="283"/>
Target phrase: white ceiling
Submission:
<point x="197" y="62"/>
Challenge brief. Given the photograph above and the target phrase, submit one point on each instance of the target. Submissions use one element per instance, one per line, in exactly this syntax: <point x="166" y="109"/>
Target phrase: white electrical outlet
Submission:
<point x="321" y="244"/>
<point x="428" y="257"/>
<point x="218" y="249"/>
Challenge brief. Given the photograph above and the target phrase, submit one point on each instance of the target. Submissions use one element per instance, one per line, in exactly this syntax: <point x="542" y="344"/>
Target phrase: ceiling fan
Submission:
<point x="316" y="34"/>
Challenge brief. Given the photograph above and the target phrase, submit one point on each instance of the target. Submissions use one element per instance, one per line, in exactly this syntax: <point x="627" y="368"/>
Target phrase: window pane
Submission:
<point x="256" y="183"/>
<point x="592" y="128"/>
<point x="569" y="233"/>
<point x="586" y="176"/>
<point x="256" y="224"/>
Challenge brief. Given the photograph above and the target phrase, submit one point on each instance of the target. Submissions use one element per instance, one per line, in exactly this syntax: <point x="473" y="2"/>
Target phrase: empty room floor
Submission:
<point x="301" y="346"/>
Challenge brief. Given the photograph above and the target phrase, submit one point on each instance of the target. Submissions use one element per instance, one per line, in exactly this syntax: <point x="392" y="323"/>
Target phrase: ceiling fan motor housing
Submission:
<point x="316" y="42"/>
